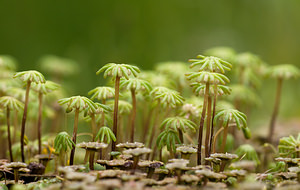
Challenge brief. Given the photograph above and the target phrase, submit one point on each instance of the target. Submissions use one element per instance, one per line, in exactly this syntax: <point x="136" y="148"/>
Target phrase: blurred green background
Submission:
<point x="140" y="32"/>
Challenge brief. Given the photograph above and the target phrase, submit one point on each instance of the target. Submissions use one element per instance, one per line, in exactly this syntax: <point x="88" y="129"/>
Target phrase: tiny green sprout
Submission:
<point x="210" y="63"/>
<point x="77" y="103"/>
<point x="117" y="71"/>
<point x="28" y="77"/>
<point x="106" y="135"/>
<point x="225" y="53"/>
<point x="207" y="77"/>
<point x="42" y="89"/>
<point x="62" y="144"/>
<point x="58" y="67"/>
<point x="289" y="146"/>
<point x="279" y="72"/>
<point x="10" y="103"/>
<point x="168" y="138"/>
<point x="102" y="93"/>
<point x="247" y="152"/>
<point x="179" y="124"/>
<point x="7" y="63"/>
<point x="135" y="85"/>
<point x="167" y="97"/>
<point x="100" y="109"/>
<point x="232" y="115"/>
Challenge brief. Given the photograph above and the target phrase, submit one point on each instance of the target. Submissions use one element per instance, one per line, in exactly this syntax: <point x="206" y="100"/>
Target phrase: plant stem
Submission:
<point x="224" y="137"/>
<point x="215" y="139"/>
<point x="275" y="110"/>
<point x="40" y="122"/>
<point x="16" y="175"/>
<point x="93" y="123"/>
<point x="202" y="124"/>
<point x="103" y="115"/>
<point x="24" y="120"/>
<point x="8" y="133"/>
<point x="213" y="117"/>
<point x="74" y="136"/>
<point x="180" y="136"/>
<point x="15" y="126"/>
<point x="133" y="114"/>
<point x="91" y="160"/>
<point x="135" y="163"/>
<point x="208" y="121"/>
<point x="116" y="105"/>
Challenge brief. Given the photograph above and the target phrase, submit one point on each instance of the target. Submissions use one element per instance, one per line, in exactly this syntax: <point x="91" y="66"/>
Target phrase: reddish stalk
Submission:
<point x="15" y="126"/>
<point x="213" y="118"/>
<point x="8" y="134"/>
<point x="275" y="110"/>
<point x="116" y="105"/>
<point x="24" y="120"/>
<point x="74" y="136"/>
<point x="202" y="124"/>
<point x="133" y="115"/>
<point x="39" y="126"/>
<point x="208" y="122"/>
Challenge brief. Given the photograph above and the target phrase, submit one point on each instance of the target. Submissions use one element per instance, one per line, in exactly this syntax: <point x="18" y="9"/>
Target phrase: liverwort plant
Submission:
<point x="42" y="89"/>
<point x="169" y="138"/>
<point x="10" y="103"/>
<point x="117" y="71"/>
<point x="77" y="103"/>
<point x="28" y="77"/>
<point x="179" y="124"/>
<point x="135" y="85"/>
<point x="209" y="74"/>
<point x="62" y="144"/>
<point x="279" y="72"/>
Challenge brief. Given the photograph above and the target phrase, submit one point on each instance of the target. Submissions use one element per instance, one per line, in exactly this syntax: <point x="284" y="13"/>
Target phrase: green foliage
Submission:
<point x="105" y="133"/>
<point x="7" y="63"/>
<point x="30" y="76"/>
<point x="58" y="66"/>
<point x="210" y="63"/>
<point x="119" y="70"/>
<point x="247" y="59"/>
<point x="225" y="53"/>
<point x="136" y="84"/>
<point x="11" y="103"/>
<point x="289" y="146"/>
<point x="167" y="97"/>
<point x="102" y="93"/>
<point x="199" y="89"/>
<point x="124" y="106"/>
<point x="285" y="71"/>
<point x="19" y="93"/>
<point x="247" y="152"/>
<point x="77" y="102"/>
<point x="99" y="108"/>
<point x="157" y="79"/>
<point x="46" y="87"/>
<point x="207" y="77"/>
<point x="244" y="95"/>
<point x="175" y="123"/>
<point x="63" y="142"/>
<point x="168" y="138"/>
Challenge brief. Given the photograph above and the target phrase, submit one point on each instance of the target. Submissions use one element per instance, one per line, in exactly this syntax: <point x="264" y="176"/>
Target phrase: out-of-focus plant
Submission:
<point x="42" y="89"/>
<point x="9" y="104"/>
<point x="225" y="53"/>
<point x="77" y="103"/>
<point x="168" y="138"/>
<point x="135" y="85"/>
<point x="280" y="73"/>
<point x="117" y="71"/>
<point x="247" y="152"/>
<point x="28" y="77"/>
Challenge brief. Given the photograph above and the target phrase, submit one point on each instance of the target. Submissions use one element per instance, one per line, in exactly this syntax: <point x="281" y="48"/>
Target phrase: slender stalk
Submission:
<point x="135" y="163"/>
<point x="103" y="115"/>
<point x="91" y="160"/>
<point x="224" y="137"/>
<point x="93" y="123"/>
<point x="215" y="139"/>
<point x="15" y="126"/>
<point x="40" y="122"/>
<point x="116" y="105"/>
<point x="202" y="124"/>
<point x="213" y="117"/>
<point x="24" y="120"/>
<point x="74" y="136"/>
<point x="180" y="135"/>
<point x="8" y="133"/>
<point x="133" y="115"/>
<point x="275" y="110"/>
<point x="208" y="122"/>
<point x="16" y="175"/>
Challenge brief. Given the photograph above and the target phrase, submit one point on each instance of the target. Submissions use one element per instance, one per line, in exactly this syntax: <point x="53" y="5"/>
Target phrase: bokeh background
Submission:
<point x="95" y="32"/>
